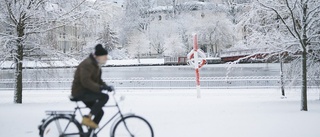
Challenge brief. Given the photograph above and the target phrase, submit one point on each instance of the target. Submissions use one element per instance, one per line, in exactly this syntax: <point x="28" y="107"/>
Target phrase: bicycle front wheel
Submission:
<point x="132" y="126"/>
<point x="62" y="127"/>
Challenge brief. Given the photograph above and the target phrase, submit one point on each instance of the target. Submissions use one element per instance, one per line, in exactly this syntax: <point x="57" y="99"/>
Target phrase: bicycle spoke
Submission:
<point x="58" y="126"/>
<point x="66" y="127"/>
<point x="62" y="127"/>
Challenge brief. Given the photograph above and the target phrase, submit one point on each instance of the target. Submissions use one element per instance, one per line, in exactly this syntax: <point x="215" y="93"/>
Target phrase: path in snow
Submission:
<point x="178" y="113"/>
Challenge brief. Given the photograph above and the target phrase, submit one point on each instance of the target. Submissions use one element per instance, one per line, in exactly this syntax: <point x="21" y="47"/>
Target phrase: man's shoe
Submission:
<point x="88" y="122"/>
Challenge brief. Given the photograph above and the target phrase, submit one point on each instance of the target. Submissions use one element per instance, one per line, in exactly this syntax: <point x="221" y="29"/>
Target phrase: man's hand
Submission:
<point x="108" y="88"/>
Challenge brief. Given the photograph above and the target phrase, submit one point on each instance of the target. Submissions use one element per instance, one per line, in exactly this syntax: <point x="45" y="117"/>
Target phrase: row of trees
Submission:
<point x="288" y="28"/>
<point x="167" y="30"/>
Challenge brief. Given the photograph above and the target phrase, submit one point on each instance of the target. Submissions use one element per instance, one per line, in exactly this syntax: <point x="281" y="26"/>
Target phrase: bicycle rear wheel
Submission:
<point x="132" y="126"/>
<point x="61" y="126"/>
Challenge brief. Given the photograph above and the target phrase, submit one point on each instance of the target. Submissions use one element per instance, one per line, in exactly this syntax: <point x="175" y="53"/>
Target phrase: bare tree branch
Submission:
<point x="281" y="18"/>
<point x="313" y="11"/>
<point x="11" y="15"/>
<point x="74" y="8"/>
<point x="293" y="21"/>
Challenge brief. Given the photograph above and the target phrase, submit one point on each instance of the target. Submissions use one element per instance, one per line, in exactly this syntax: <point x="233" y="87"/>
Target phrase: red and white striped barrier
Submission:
<point x="196" y="62"/>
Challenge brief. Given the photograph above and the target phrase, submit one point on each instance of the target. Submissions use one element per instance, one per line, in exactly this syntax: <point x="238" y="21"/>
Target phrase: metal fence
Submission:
<point x="164" y="82"/>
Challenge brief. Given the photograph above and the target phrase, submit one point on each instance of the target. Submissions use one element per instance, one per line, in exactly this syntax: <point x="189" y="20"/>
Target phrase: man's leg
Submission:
<point x="101" y="100"/>
<point x="98" y="117"/>
<point x="95" y="101"/>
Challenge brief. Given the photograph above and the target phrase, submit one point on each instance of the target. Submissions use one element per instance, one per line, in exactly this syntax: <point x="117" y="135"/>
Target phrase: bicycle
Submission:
<point x="65" y="124"/>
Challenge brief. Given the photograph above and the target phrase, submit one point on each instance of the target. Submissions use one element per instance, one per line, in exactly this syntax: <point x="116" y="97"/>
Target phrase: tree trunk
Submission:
<point x="18" y="58"/>
<point x="18" y="73"/>
<point x="281" y="76"/>
<point x="304" y="44"/>
<point x="304" y="104"/>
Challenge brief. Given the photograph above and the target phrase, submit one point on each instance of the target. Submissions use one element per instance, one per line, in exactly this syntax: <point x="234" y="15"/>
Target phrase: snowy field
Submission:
<point x="178" y="113"/>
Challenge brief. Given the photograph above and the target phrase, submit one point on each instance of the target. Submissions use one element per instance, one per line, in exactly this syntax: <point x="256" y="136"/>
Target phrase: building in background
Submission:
<point x="79" y="37"/>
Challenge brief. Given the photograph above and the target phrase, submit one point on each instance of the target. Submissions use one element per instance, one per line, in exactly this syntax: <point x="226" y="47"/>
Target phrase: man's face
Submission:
<point x="102" y="59"/>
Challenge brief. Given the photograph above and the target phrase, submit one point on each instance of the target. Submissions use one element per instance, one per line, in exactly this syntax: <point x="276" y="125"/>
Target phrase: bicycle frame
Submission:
<point x="53" y="122"/>
<point x="119" y="112"/>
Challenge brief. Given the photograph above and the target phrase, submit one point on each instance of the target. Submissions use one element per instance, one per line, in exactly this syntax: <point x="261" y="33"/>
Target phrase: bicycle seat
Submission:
<point x="72" y="98"/>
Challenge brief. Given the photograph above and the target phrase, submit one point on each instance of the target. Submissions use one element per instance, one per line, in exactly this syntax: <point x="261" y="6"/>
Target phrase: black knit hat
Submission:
<point x="99" y="50"/>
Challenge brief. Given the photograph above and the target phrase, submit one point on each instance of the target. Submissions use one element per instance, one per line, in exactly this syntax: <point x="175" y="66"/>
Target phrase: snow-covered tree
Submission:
<point x="25" y="23"/>
<point x="136" y="15"/>
<point x="215" y="31"/>
<point x="100" y="21"/>
<point x="286" y="27"/>
<point x="219" y="34"/>
<point x="138" y="45"/>
<point x="158" y="31"/>
<point x="174" y="46"/>
<point x="236" y="9"/>
<point x="108" y="38"/>
<point x="181" y="19"/>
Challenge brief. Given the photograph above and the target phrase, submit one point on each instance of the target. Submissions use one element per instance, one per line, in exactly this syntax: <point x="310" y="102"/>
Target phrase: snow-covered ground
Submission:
<point x="178" y="113"/>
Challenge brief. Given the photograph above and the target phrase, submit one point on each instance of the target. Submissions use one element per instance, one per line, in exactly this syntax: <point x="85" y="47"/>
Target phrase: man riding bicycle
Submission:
<point x="87" y="86"/>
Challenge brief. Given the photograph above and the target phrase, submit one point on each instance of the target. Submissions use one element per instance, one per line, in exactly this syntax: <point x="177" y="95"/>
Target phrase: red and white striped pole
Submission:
<point x="196" y="60"/>
<point x="193" y="60"/>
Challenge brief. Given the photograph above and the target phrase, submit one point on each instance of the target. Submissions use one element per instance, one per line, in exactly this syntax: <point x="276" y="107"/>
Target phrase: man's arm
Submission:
<point x="101" y="82"/>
